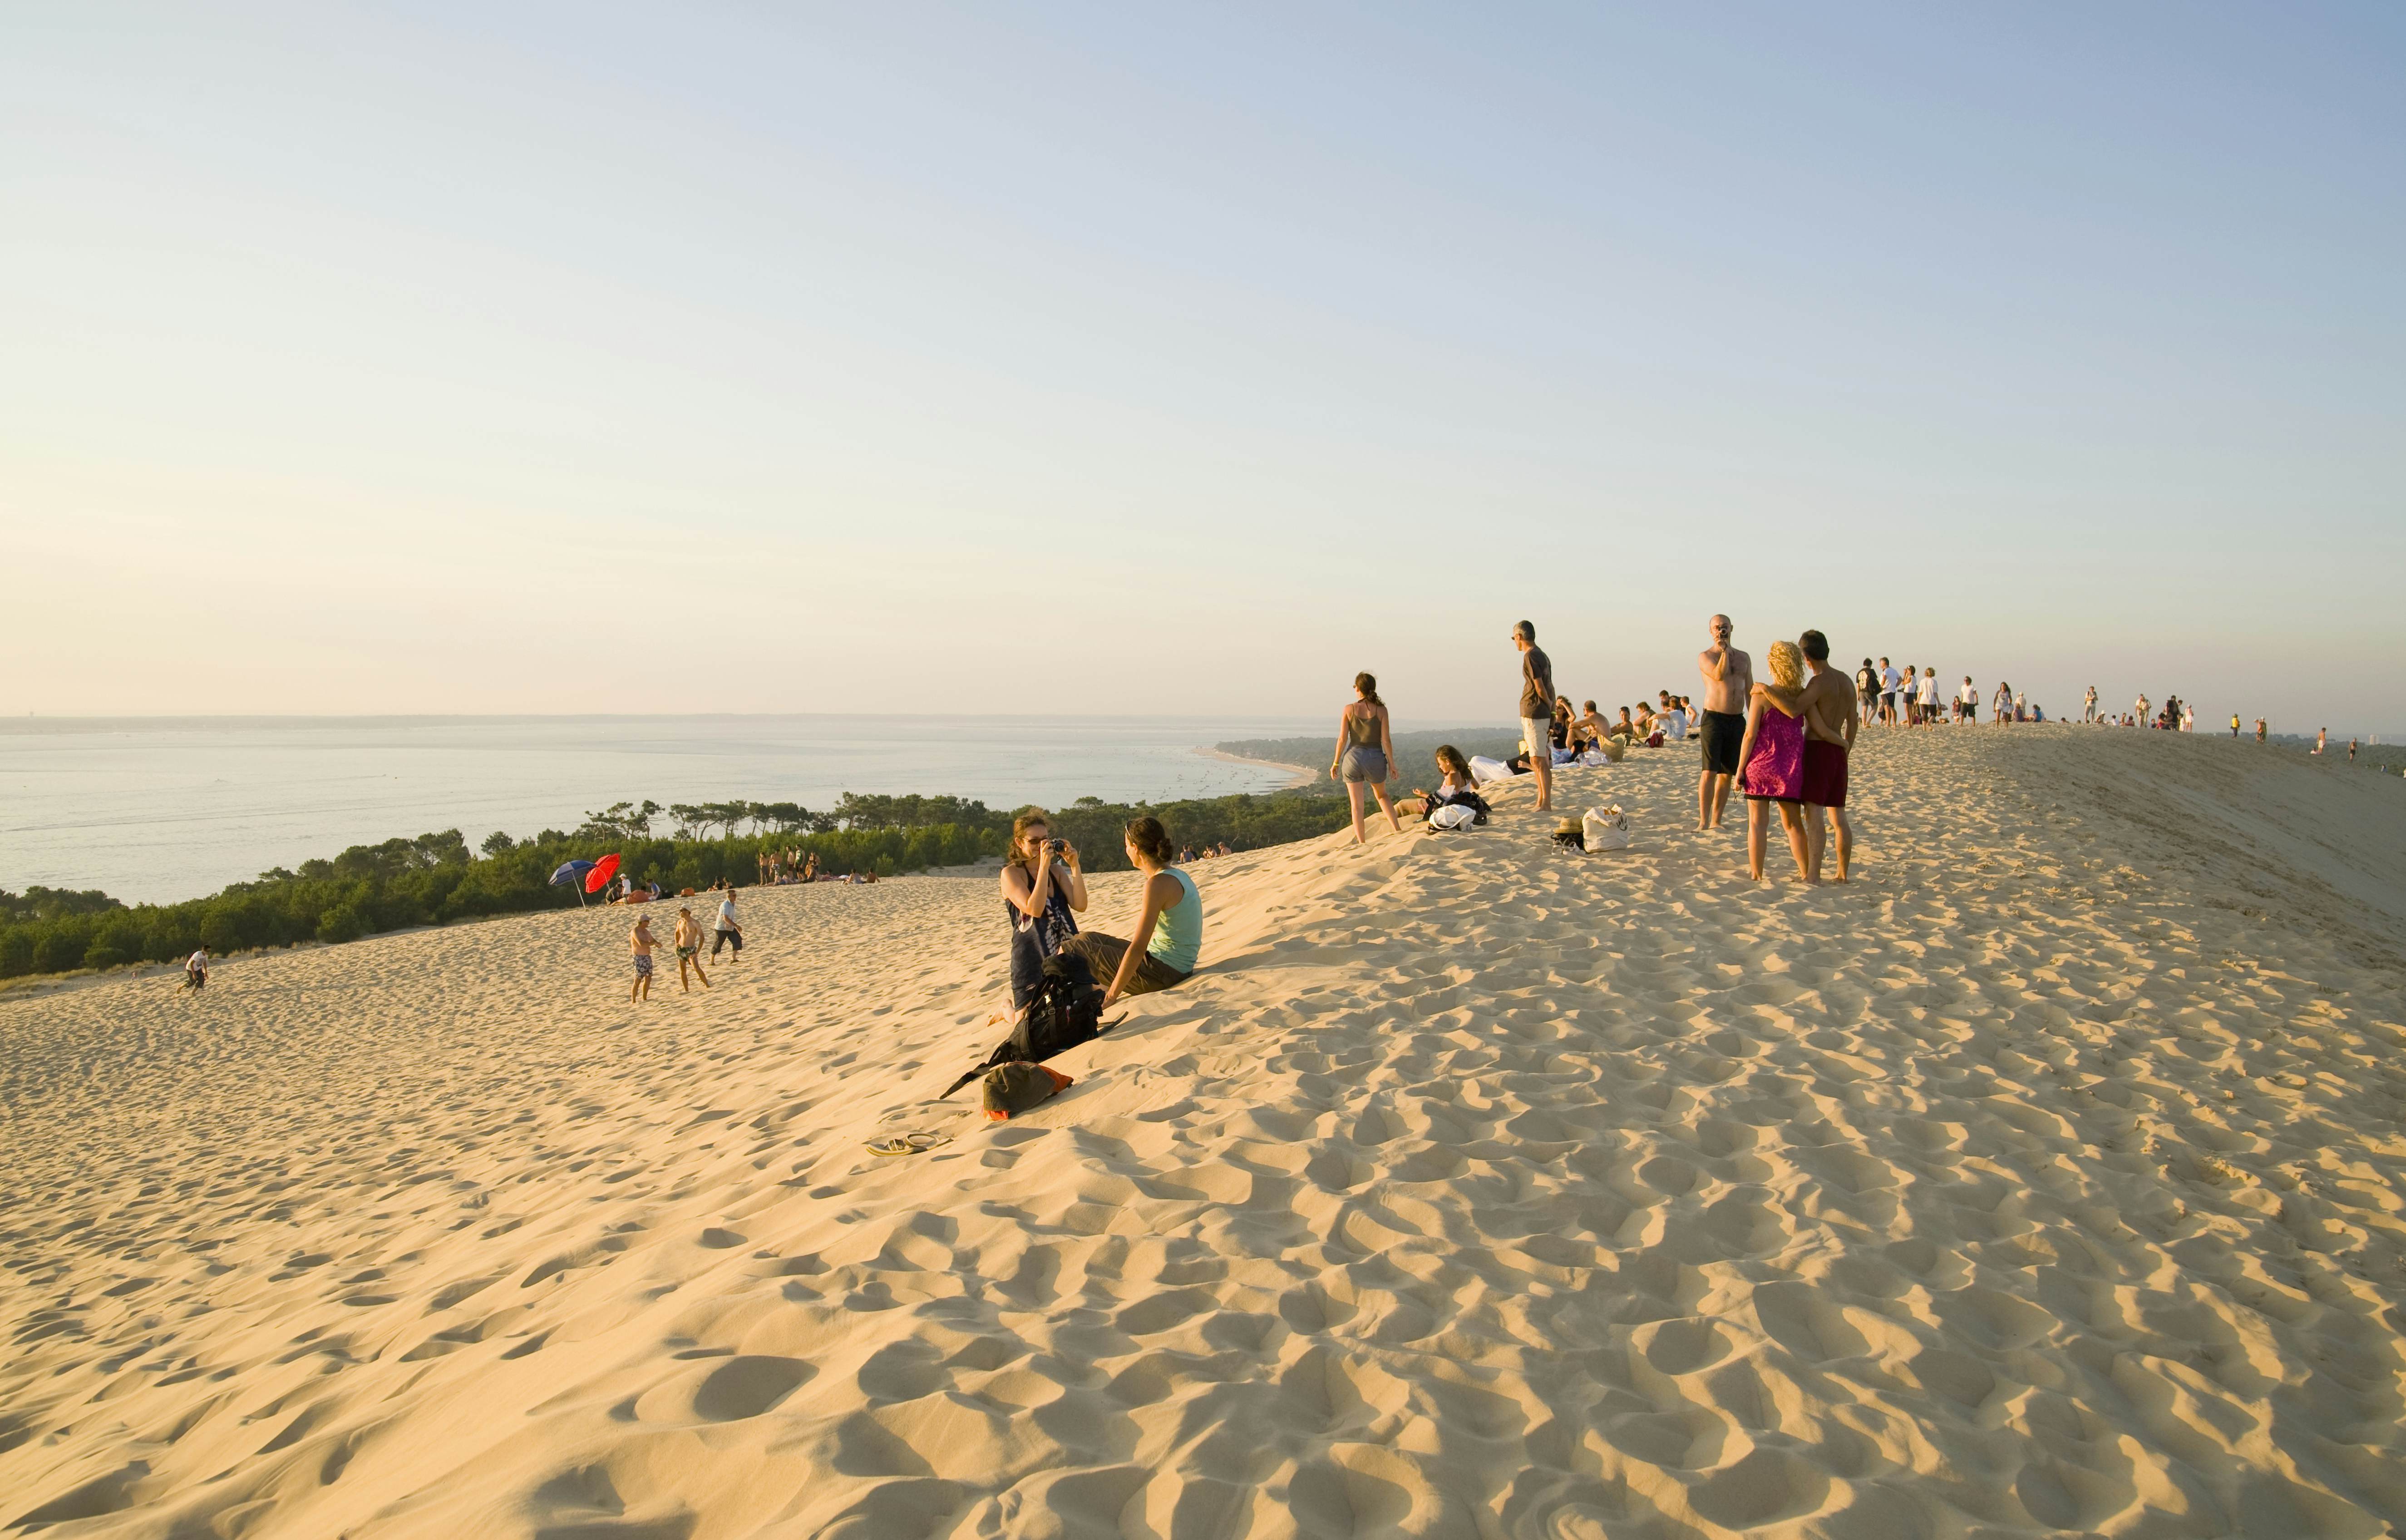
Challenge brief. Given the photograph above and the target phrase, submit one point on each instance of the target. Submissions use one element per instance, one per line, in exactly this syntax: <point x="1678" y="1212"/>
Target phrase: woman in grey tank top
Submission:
<point x="1365" y="750"/>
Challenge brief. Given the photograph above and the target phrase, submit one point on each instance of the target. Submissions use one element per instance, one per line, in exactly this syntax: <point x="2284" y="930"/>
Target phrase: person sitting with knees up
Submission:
<point x="1043" y="889"/>
<point x="1169" y="918"/>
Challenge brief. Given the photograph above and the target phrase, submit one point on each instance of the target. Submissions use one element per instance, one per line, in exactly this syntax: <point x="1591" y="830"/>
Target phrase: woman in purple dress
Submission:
<point x="1771" y="759"/>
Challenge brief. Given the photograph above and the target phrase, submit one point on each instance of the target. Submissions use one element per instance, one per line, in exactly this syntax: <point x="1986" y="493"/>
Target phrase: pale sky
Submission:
<point x="1153" y="360"/>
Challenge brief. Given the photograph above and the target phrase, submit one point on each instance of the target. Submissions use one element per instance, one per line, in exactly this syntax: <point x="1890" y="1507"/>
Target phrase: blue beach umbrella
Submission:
<point x="573" y="873"/>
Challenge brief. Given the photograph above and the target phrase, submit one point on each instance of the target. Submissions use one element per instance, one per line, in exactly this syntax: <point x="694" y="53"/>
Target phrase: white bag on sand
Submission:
<point x="1488" y="771"/>
<point x="1452" y="816"/>
<point x="1605" y="828"/>
<point x="1594" y="759"/>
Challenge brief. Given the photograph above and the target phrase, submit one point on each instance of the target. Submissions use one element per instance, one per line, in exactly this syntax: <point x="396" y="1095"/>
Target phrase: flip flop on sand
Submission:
<point x="908" y="1144"/>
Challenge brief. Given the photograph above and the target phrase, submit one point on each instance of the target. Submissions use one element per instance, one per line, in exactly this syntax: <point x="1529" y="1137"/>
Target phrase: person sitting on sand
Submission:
<point x="1169" y="914"/>
<point x="1043" y="890"/>
<point x="1626" y="727"/>
<point x="1772" y="759"/>
<point x="1455" y="783"/>
<point x="1593" y="729"/>
<point x="688" y="949"/>
<point x="639" y="938"/>
<point x="1365" y="750"/>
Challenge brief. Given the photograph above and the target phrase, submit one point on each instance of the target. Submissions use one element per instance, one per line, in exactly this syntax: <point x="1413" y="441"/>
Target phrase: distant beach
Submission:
<point x="161" y="809"/>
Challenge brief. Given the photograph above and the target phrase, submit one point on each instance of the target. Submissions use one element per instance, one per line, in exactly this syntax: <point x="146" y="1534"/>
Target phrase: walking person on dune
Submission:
<point x="196" y="967"/>
<point x="726" y="930"/>
<point x="688" y="949"/>
<point x="1537" y="711"/>
<point x="640" y="940"/>
<point x="1772" y="755"/>
<point x="1365" y="754"/>
<point x="1728" y="678"/>
<point x="1829" y="726"/>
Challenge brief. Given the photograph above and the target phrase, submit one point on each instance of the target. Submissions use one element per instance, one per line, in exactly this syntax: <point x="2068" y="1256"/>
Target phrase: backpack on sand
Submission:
<point x="1012" y="1089"/>
<point x="1066" y="1011"/>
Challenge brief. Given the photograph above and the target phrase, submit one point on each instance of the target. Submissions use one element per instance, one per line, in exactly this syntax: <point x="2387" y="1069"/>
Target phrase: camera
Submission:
<point x="1056" y="846"/>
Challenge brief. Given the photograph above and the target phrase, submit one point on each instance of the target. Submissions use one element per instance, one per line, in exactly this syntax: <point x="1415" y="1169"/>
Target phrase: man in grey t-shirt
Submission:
<point x="1537" y="711"/>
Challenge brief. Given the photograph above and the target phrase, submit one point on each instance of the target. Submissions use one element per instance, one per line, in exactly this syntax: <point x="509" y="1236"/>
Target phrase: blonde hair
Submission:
<point x="1787" y="664"/>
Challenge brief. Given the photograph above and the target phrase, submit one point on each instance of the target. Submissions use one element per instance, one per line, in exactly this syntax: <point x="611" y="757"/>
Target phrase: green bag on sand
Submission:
<point x="1012" y="1089"/>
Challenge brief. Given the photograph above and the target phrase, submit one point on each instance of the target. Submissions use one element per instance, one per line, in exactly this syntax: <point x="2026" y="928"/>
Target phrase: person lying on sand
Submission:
<point x="1170" y="915"/>
<point x="641" y="941"/>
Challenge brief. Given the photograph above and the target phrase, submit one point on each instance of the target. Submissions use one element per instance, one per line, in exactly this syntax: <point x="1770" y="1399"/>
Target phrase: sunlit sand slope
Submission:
<point x="2049" y="1178"/>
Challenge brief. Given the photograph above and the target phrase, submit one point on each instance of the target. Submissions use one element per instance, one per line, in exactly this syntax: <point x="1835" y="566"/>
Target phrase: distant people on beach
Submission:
<point x="1537" y="710"/>
<point x="1729" y="681"/>
<point x="1867" y="690"/>
<point x="1889" y="681"/>
<point x="1365" y="754"/>
<point x="1928" y="702"/>
<point x="2260" y="729"/>
<point x="1772" y="755"/>
<point x="2088" y="705"/>
<point x="1967" y="702"/>
<point x="2003" y="705"/>
<point x="688" y="949"/>
<point x="640" y="940"/>
<point x="1169" y="921"/>
<point x="2322" y="740"/>
<point x="1831" y="723"/>
<point x="196" y="967"/>
<point x="1043" y="890"/>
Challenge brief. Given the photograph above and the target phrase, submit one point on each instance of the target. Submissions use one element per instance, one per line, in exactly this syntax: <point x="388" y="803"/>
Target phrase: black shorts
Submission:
<point x="1723" y="733"/>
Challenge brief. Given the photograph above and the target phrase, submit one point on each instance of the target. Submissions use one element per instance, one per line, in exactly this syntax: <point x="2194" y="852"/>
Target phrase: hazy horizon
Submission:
<point x="443" y="360"/>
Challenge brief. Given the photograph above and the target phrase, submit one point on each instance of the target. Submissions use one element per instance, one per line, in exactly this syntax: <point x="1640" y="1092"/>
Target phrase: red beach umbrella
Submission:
<point x="599" y="877"/>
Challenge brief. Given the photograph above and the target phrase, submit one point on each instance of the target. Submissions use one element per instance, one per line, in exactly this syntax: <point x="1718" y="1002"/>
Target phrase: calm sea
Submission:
<point x="161" y="809"/>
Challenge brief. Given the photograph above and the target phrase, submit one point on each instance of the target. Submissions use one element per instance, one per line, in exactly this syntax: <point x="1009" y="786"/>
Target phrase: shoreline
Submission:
<point x="1301" y="774"/>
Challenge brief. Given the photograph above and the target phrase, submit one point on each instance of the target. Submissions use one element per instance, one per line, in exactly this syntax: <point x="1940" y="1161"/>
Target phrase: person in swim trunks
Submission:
<point x="688" y="945"/>
<point x="1729" y="680"/>
<point x="642" y="942"/>
<point x="1831" y="721"/>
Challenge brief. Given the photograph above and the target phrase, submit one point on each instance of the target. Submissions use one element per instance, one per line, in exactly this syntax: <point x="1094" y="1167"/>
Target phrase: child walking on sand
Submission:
<point x="642" y="942"/>
<point x="688" y="945"/>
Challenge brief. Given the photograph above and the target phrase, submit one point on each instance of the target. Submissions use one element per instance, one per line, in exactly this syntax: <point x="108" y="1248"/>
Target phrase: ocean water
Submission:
<point x="161" y="809"/>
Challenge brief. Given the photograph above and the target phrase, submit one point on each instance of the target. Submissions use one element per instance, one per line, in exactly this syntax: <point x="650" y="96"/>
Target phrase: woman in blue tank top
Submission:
<point x="1170" y="923"/>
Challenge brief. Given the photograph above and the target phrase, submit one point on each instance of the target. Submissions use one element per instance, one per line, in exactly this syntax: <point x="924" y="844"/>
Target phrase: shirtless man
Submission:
<point x="689" y="948"/>
<point x="1831" y="722"/>
<point x="1537" y="711"/>
<point x="640" y="939"/>
<point x="1729" y="680"/>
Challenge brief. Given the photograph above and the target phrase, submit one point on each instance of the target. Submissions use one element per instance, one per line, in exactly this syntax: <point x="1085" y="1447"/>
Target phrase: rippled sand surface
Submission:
<point x="2048" y="1179"/>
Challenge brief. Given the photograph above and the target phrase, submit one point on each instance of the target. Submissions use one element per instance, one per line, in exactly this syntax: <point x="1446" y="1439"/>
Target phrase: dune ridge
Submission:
<point x="2048" y="1179"/>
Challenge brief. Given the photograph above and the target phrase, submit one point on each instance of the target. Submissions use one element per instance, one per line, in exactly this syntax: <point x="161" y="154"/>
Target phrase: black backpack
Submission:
<point x="1066" y="1010"/>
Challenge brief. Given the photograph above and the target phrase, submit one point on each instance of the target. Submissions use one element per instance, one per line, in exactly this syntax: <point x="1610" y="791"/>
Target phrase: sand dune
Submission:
<point x="2048" y="1179"/>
